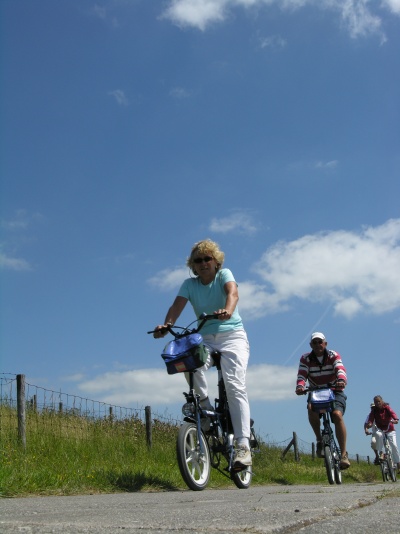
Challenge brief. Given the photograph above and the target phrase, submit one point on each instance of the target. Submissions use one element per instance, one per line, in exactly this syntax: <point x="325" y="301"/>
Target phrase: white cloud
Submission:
<point x="238" y="221"/>
<point x="13" y="264"/>
<point x="119" y="97"/>
<point x="326" y="164"/>
<point x="273" y="41"/>
<point x="392" y="5"/>
<point x="197" y="13"/>
<point x="179" y="92"/>
<point x="168" y="279"/>
<point x="356" y="272"/>
<point x="266" y="383"/>
<point x="356" y="15"/>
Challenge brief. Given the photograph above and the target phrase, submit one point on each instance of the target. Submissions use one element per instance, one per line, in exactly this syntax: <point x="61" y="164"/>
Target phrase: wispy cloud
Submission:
<point x="14" y="237"/>
<point x="238" y="221"/>
<point x="356" y="15"/>
<point x="13" y="264"/>
<point x="179" y="92"/>
<point x="273" y="41"/>
<point x="327" y="164"/>
<point x="120" y="97"/>
<point x="168" y="279"/>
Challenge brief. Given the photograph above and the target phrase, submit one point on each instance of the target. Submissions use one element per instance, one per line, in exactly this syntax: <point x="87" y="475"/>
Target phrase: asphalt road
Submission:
<point x="355" y="508"/>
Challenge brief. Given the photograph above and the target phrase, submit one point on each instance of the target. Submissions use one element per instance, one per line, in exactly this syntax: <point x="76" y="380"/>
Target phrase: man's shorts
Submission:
<point x="339" y="403"/>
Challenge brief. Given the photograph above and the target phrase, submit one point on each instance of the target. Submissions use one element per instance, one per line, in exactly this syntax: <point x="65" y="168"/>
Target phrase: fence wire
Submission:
<point x="68" y="415"/>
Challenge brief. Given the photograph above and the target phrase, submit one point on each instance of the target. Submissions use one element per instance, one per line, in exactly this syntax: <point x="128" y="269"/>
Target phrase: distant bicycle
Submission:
<point x="321" y="400"/>
<point x="388" y="466"/>
<point x="206" y="436"/>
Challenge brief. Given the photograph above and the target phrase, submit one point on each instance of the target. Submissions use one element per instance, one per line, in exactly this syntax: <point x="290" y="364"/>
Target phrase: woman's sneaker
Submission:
<point x="242" y="459"/>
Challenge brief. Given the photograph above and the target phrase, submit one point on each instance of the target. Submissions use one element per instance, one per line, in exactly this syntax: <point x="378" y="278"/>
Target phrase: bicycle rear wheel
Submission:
<point x="242" y="479"/>
<point x="329" y="465"/>
<point x="193" y="460"/>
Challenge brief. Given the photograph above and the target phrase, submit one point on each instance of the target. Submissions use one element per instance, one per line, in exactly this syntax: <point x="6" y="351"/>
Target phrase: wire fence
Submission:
<point x="71" y="415"/>
<point x="64" y="414"/>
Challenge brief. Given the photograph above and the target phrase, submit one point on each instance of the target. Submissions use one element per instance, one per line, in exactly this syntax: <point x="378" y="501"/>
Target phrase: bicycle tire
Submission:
<point x="242" y="479"/>
<point x="384" y="471"/>
<point x="338" y="474"/>
<point x="329" y="465"/>
<point x="194" y="465"/>
<point x="391" y="468"/>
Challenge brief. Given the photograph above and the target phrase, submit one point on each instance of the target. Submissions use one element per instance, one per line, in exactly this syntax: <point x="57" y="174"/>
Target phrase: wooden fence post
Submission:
<point x="296" y="448"/>
<point x="149" y="440"/>
<point x="21" y="410"/>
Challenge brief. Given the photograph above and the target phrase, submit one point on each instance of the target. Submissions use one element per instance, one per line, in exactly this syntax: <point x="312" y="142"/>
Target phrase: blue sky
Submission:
<point x="131" y="129"/>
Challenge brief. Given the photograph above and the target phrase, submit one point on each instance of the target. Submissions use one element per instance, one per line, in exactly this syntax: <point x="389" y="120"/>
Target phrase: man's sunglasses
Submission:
<point x="317" y="342"/>
<point x="206" y="259"/>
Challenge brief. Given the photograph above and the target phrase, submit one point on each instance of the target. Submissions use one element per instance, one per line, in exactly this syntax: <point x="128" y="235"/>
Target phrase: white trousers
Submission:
<point x="235" y="352"/>
<point x="393" y="443"/>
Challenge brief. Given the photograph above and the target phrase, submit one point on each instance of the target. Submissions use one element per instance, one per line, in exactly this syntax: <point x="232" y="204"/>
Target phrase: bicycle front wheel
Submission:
<point x="384" y="471"/>
<point x="242" y="479"/>
<point x="193" y="457"/>
<point x="391" y="469"/>
<point x="329" y="465"/>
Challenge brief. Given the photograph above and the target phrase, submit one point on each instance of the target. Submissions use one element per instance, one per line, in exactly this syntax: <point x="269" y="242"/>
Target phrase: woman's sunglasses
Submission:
<point x="206" y="259"/>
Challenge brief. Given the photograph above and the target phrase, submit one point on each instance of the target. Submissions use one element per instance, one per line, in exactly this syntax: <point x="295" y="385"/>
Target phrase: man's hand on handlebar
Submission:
<point x="300" y="390"/>
<point x="340" y="385"/>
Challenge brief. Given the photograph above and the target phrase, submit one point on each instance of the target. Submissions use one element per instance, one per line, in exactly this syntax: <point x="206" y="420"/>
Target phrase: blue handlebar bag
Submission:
<point x="185" y="354"/>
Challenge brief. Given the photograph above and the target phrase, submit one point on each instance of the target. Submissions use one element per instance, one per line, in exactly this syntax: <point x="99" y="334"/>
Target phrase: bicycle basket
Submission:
<point x="321" y="399"/>
<point x="185" y="354"/>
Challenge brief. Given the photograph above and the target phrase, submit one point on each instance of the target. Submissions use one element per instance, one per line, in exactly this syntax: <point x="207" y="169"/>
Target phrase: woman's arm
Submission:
<point x="232" y="298"/>
<point x="175" y="310"/>
<point x="171" y="317"/>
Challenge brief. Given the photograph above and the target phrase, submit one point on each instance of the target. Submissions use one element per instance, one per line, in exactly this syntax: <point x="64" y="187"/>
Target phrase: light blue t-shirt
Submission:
<point x="209" y="298"/>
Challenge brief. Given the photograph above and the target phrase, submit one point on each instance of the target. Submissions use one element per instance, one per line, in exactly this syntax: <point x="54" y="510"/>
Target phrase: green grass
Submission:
<point x="69" y="455"/>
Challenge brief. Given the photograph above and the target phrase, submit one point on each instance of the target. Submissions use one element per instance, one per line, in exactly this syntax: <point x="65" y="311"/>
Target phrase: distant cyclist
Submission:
<point x="321" y="367"/>
<point x="385" y="418"/>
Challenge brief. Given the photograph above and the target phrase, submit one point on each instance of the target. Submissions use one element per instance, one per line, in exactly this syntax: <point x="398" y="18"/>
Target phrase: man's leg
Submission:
<point x="340" y="430"/>
<point x="315" y="423"/>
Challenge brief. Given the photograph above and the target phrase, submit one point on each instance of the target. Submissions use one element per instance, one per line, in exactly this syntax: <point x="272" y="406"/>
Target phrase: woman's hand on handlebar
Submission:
<point x="161" y="330"/>
<point x="223" y="314"/>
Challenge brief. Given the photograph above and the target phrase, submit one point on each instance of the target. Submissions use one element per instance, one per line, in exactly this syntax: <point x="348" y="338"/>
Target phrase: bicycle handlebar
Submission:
<point x="203" y="318"/>
<point x="316" y="388"/>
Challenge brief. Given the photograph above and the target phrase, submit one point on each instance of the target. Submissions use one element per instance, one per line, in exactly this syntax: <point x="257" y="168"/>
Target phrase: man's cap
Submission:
<point x="318" y="335"/>
<point x="372" y="405"/>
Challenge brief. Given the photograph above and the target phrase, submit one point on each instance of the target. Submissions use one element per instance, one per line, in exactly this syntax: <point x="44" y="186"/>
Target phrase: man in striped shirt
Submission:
<point x="323" y="367"/>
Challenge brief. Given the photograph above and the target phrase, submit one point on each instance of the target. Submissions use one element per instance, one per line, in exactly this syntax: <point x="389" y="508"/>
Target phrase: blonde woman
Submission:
<point x="213" y="289"/>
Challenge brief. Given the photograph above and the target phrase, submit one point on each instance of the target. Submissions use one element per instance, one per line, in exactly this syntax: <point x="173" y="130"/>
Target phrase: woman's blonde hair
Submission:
<point x="206" y="246"/>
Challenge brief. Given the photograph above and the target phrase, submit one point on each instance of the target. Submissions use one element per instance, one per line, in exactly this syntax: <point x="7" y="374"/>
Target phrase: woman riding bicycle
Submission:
<point x="214" y="290"/>
<point x="385" y="419"/>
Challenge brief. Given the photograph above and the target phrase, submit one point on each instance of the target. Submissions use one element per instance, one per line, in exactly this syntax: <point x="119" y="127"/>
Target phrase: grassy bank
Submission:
<point x="76" y="455"/>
